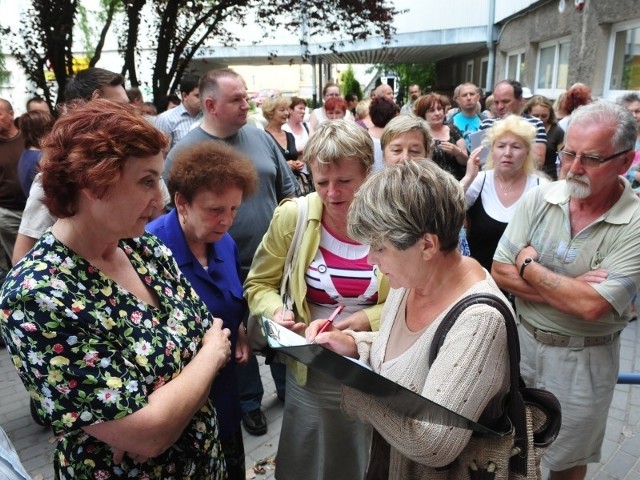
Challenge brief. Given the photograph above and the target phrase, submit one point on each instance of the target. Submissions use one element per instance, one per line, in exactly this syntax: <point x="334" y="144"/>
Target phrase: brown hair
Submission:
<point x="211" y="166"/>
<point x="427" y="102"/>
<point x="88" y="148"/>
<point x="382" y="111"/>
<point x="295" y="101"/>
<point x="541" y="101"/>
<point x="327" y="86"/>
<point x="34" y="126"/>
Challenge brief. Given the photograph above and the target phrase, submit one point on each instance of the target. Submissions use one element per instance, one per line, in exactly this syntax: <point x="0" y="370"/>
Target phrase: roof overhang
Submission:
<point x="418" y="47"/>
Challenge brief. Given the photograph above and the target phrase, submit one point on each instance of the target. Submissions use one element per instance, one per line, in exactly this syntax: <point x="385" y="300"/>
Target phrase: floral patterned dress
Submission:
<point x="88" y="351"/>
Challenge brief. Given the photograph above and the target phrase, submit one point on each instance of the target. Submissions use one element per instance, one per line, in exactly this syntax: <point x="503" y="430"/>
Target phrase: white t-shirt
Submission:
<point x="301" y="140"/>
<point x="490" y="200"/>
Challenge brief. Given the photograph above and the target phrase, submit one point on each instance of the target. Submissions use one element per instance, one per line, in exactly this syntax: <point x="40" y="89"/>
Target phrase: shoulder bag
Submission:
<point x="531" y="417"/>
<point x="255" y="332"/>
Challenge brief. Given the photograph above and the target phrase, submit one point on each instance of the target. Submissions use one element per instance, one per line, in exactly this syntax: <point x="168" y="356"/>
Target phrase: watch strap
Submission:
<point x="525" y="264"/>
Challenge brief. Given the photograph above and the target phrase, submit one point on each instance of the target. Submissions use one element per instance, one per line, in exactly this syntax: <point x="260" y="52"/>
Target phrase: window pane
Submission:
<point x="484" y="66"/>
<point x="563" y="66"/>
<point x="625" y="72"/>
<point x="545" y="71"/>
<point x="522" y="67"/>
<point x="512" y="65"/>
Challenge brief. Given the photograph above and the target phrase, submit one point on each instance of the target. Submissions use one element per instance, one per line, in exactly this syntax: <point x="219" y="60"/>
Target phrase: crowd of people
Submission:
<point x="140" y="243"/>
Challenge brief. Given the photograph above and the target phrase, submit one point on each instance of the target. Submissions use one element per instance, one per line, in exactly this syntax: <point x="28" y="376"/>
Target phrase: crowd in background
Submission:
<point x="227" y="227"/>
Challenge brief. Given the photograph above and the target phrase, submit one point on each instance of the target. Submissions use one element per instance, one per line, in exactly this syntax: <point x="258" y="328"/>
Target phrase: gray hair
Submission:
<point x="629" y="98"/>
<point x="608" y="114"/>
<point x="335" y="140"/>
<point x="406" y="123"/>
<point x="402" y="202"/>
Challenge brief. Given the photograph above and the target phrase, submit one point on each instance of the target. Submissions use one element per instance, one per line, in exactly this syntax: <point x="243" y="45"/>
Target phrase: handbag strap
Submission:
<point x="515" y="407"/>
<point x="292" y="252"/>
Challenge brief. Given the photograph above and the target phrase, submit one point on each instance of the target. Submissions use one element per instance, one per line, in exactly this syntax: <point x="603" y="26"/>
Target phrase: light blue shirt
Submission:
<point x="10" y="466"/>
<point x="176" y="123"/>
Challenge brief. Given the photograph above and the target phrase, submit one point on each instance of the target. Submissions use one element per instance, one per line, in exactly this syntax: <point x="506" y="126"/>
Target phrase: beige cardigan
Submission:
<point x="470" y="370"/>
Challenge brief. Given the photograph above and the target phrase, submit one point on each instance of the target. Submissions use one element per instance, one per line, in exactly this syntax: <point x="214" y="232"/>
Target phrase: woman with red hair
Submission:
<point x="579" y="94"/>
<point x="110" y="339"/>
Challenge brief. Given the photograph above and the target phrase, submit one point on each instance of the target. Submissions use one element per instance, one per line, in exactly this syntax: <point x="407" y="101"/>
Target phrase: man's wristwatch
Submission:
<point x="527" y="261"/>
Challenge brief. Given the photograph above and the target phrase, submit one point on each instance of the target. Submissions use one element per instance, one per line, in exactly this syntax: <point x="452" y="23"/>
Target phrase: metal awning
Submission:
<point x="418" y="47"/>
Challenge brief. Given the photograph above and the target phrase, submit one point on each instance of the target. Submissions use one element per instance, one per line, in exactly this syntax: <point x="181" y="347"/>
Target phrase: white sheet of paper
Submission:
<point x="475" y="140"/>
<point x="278" y="336"/>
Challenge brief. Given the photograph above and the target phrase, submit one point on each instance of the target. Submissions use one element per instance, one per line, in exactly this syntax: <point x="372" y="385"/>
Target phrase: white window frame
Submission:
<point x="482" y="82"/>
<point x="518" y="54"/>
<point x="468" y="71"/>
<point x="555" y="90"/>
<point x="611" y="93"/>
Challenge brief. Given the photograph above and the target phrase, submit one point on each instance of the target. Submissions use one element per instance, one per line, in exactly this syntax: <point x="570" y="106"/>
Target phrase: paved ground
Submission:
<point x="621" y="452"/>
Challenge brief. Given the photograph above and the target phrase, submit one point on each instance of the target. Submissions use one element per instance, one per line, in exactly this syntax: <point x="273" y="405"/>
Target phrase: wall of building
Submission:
<point x="589" y="31"/>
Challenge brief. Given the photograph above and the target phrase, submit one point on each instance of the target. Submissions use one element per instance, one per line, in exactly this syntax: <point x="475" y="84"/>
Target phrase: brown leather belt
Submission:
<point x="558" y="340"/>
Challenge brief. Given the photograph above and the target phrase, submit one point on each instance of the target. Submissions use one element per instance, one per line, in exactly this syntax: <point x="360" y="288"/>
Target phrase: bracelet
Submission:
<point x="527" y="261"/>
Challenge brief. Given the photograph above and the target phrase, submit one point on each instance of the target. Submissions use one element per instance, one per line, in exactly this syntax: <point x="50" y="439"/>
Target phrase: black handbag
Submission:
<point x="530" y="420"/>
<point x="531" y="416"/>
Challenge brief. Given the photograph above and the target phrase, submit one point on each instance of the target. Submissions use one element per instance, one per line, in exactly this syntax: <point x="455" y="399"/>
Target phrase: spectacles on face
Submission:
<point x="587" y="161"/>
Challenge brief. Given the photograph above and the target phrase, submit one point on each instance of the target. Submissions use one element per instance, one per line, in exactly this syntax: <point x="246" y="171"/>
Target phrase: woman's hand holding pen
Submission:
<point x="287" y="319"/>
<point x="332" y="338"/>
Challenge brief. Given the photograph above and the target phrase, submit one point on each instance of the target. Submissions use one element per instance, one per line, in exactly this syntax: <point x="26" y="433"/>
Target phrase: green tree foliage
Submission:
<point x="349" y="83"/>
<point x="420" y="74"/>
<point x="177" y="30"/>
<point x="44" y="40"/>
<point x="409" y="73"/>
<point x="4" y="73"/>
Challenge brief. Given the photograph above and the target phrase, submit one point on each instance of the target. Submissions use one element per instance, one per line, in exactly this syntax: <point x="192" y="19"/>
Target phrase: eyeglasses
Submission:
<point x="587" y="161"/>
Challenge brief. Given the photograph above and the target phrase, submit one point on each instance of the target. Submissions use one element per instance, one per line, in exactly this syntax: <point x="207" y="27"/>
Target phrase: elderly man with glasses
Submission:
<point x="571" y="257"/>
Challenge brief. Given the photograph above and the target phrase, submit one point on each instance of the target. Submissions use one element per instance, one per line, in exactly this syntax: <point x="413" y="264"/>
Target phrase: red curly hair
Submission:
<point x="579" y="94"/>
<point x="88" y="148"/>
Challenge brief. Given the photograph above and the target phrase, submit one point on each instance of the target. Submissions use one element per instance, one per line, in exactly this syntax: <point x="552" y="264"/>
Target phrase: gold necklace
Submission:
<point x="505" y="192"/>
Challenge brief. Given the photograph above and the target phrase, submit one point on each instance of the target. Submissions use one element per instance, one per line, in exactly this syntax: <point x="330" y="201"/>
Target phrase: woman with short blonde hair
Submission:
<point x="494" y="194"/>
<point x="331" y="269"/>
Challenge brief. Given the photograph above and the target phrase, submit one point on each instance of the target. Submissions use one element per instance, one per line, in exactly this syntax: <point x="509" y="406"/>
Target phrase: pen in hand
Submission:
<point x="330" y="320"/>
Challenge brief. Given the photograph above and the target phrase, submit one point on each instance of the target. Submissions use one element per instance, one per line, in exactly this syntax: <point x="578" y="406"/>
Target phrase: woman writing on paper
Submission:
<point x="331" y="269"/>
<point x="411" y="214"/>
